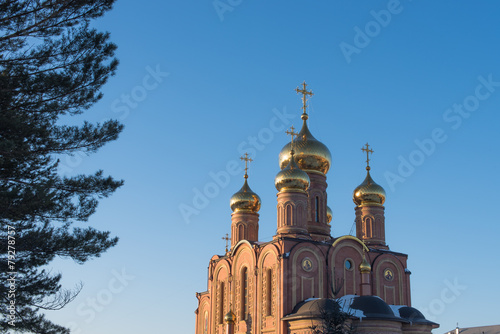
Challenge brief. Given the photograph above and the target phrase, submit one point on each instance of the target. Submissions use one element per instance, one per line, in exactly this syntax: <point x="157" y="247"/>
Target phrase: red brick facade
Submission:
<point x="262" y="282"/>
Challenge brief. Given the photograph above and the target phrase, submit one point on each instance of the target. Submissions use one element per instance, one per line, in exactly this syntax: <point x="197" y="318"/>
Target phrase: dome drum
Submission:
<point x="291" y="231"/>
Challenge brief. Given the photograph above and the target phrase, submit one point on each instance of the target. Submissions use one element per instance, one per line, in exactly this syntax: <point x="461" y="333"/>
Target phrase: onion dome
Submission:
<point x="310" y="154"/>
<point x="328" y="214"/>
<point x="369" y="192"/>
<point x="245" y="199"/>
<point x="292" y="178"/>
<point x="230" y="317"/>
<point x="365" y="267"/>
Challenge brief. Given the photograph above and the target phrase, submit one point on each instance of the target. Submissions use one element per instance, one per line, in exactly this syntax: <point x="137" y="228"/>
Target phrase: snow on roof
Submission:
<point x="345" y="303"/>
<point x="395" y="309"/>
<point x="495" y="329"/>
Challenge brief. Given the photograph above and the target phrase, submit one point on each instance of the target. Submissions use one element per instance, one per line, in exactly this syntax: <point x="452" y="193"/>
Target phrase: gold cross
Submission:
<point x="292" y="133"/>
<point x="247" y="160"/>
<point x="304" y="93"/>
<point x="368" y="151"/>
<point x="227" y="239"/>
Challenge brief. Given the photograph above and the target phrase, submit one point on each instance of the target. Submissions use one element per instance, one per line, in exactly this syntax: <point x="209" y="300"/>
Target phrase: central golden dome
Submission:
<point x="369" y="192"/>
<point x="311" y="155"/>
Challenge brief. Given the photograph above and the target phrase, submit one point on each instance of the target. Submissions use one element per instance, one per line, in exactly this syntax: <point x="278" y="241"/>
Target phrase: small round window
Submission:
<point x="348" y="264"/>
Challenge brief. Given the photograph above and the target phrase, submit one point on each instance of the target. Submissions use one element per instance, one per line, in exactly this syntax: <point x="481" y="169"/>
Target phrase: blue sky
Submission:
<point x="197" y="86"/>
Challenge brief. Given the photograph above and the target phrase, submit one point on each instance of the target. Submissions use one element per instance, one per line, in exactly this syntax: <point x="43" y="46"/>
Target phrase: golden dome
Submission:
<point x="291" y="177"/>
<point x="245" y="199"/>
<point x="328" y="214"/>
<point x="230" y="317"/>
<point x="365" y="267"/>
<point x="369" y="192"/>
<point x="310" y="154"/>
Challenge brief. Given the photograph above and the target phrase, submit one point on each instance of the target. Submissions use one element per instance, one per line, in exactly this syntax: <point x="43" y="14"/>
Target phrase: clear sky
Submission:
<point x="198" y="85"/>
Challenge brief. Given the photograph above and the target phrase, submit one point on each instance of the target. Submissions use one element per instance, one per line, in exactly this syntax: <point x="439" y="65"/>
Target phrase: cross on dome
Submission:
<point x="247" y="160"/>
<point x="368" y="150"/>
<point x="227" y="240"/>
<point x="292" y="133"/>
<point x="304" y="93"/>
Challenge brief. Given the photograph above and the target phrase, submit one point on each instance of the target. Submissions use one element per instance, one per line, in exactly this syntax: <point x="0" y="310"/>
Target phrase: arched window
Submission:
<point x="221" y="303"/>
<point x="205" y="324"/>
<point x="244" y="294"/>
<point x="299" y="212"/>
<point x="269" y="292"/>
<point x="288" y="215"/>
<point x="280" y="215"/>
<point x="241" y="232"/>
<point x="317" y="208"/>
<point x="368" y="227"/>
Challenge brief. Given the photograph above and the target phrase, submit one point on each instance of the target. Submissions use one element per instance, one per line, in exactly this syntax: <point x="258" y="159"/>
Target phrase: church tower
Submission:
<point x="370" y="219"/>
<point x="245" y="205"/>
<point x="314" y="158"/>
<point x="292" y="184"/>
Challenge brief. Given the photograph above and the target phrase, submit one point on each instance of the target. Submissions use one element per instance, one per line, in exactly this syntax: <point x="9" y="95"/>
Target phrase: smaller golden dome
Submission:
<point x="369" y="192"/>
<point x="245" y="199"/>
<point x="328" y="214"/>
<point x="365" y="267"/>
<point x="292" y="177"/>
<point x="230" y="317"/>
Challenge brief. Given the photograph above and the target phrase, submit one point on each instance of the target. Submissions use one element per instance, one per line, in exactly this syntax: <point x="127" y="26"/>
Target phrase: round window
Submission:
<point x="348" y="264"/>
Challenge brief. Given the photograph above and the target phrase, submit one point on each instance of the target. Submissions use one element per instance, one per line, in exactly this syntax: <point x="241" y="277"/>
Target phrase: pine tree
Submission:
<point x="333" y="320"/>
<point x="52" y="64"/>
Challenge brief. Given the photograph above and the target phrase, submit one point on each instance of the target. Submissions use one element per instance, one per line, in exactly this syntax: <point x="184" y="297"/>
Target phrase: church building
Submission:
<point x="283" y="286"/>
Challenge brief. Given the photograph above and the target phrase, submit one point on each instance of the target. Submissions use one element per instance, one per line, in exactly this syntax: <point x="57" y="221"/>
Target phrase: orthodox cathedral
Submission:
<point x="284" y="286"/>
